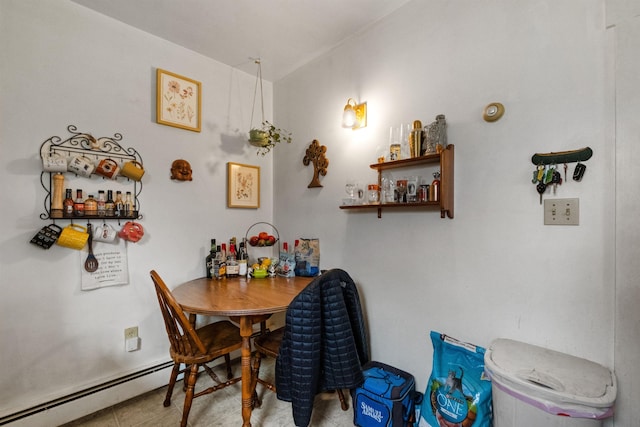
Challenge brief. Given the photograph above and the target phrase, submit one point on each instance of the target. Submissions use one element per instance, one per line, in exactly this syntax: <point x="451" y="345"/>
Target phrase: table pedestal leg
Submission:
<point x="246" y="330"/>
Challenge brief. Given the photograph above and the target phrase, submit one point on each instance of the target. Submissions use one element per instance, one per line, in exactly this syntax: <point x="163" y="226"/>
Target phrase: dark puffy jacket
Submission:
<point x="324" y="344"/>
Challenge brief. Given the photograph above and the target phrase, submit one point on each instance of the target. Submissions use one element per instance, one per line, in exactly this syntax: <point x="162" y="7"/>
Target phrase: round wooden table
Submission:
<point x="248" y="301"/>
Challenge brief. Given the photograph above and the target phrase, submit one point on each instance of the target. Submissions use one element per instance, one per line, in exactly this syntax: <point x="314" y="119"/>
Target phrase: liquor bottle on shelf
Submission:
<point x="208" y="262"/>
<point x="119" y="204"/>
<point x="67" y="204"/>
<point x="78" y="204"/>
<point x="232" y="262"/>
<point x="242" y="260"/>
<point x="91" y="206"/>
<point x="434" y="190"/>
<point x="129" y="205"/>
<point x="102" y="203"/>
<point x="110" y="205"/>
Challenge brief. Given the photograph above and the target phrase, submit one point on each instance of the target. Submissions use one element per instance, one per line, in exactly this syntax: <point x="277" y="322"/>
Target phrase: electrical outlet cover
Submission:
<point x="562" y="212"/>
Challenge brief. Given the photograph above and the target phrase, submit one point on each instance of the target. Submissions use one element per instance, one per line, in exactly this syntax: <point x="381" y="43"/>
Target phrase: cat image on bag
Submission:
<point x="452" y="383"/>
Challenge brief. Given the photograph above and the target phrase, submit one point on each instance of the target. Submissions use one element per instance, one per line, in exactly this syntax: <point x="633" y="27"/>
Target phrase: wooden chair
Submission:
<point x="268" y="344"/>
<point x="194" y="347"/>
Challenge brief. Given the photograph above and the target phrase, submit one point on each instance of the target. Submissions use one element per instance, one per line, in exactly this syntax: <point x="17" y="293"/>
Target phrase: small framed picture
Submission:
<point x="178" y="101"/>
<point x="243" y="186"/>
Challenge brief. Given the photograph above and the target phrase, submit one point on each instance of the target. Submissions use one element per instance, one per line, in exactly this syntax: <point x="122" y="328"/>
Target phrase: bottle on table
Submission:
<point x="67" y="204"/>
<point x="232" y="262"/>
<point x="208" y="262"/>
<point x="78" y="204"/>
<point x="243" y="260"/>
<point x="219" y="264"/>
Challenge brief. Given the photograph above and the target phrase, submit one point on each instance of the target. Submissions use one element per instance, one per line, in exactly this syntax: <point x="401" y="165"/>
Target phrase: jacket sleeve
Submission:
<point x="298" y="361"/>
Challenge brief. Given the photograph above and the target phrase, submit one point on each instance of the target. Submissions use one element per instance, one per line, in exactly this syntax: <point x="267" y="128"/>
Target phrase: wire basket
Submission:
<point x="256" y="252"/>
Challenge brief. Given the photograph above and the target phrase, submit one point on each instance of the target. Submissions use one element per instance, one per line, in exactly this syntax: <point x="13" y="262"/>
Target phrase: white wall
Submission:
<point x="623" y="21"/>
<point x="495" y="270"/>
<point x="63" y="64"/>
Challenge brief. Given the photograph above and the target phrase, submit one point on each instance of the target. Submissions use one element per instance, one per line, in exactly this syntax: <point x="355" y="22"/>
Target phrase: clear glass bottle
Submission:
<point x="102" y="203"/>
<point x="78" y="204"/>
<point x="90" y="206"/>
<point x="129" y="205"/>
<point x="118" y="204"/>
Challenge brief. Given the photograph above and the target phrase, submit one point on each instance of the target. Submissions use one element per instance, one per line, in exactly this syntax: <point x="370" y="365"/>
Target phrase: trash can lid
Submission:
<point x="550" y="375"/>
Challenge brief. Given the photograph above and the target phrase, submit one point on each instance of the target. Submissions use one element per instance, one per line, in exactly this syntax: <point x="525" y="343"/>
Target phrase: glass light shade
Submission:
<point x="348" y="117"/>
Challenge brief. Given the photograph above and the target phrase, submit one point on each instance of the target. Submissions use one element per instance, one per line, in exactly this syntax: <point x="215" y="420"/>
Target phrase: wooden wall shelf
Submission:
<point x="446" y="163"/>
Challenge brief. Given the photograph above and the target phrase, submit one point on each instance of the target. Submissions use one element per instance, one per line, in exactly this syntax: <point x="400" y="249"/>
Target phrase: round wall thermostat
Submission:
<point x="493" y="112"/>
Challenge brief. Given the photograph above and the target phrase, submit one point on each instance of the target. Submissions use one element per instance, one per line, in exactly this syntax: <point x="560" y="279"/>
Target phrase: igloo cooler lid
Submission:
<point x="550" y="375"/>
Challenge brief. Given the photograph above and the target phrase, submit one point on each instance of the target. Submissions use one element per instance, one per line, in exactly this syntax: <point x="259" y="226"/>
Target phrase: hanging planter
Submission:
<point x="266" y="136"/>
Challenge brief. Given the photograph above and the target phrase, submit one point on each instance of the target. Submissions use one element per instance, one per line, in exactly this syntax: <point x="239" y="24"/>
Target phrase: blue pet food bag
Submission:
<point x="458" y="393"/>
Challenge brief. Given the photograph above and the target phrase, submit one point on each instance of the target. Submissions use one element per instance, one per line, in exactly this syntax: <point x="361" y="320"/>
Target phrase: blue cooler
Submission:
<point x="386" y="398"/>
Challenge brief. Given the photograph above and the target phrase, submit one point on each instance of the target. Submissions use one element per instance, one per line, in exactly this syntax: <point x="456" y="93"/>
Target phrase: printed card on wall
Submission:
<point x="112" y="269"/>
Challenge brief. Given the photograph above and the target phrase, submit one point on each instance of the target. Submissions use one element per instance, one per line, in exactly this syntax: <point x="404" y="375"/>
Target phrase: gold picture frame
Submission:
<point x="178" y="101"/>
<point x="243" y="186"/>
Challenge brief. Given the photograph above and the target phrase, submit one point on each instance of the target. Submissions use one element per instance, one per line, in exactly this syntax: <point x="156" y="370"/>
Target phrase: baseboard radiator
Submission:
<point x="83" y="393"/>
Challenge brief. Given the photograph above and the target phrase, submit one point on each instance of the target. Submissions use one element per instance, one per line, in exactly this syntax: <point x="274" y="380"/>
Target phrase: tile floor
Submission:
<point x="221" y="408"/>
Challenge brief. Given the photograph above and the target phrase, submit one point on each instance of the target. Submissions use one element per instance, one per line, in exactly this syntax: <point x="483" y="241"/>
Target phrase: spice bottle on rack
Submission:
<point x="78" y="204"/>
<point x="102" y="203"/>
<point x="119" y="204"/>
<point x="67" y="204"/>
<point x="129" y="206"/>
<point x="434" y="190"/>
<point x="91" y="206"/>
<point x="109" y="205"/>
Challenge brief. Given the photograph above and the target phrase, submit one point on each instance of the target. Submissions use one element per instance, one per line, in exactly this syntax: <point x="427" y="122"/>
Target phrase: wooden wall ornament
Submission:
<point x="181" y="170"/>
<point x="316" y="154"/>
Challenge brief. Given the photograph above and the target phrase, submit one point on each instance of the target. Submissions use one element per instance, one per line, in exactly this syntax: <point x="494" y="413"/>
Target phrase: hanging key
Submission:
<point x="540" y="175"/>
<point x="579" y="171"/>
<point x="548" y="175"/>
<point x="541" y="188"/>
<point x="565" y="171"/>
<point x="557" y="179"/>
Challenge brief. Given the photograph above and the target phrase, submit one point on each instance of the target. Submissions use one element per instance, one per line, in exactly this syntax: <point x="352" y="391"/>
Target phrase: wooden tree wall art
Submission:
<point x="316" y="155"/>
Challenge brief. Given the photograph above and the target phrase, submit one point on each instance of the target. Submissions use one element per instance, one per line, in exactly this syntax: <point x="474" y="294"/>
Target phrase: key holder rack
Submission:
<point x="95" y="149"/>
<point x="560" y="157"/>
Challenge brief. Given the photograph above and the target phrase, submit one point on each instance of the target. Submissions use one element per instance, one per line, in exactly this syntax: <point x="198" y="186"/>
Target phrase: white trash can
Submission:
<point x="534" y="386"/>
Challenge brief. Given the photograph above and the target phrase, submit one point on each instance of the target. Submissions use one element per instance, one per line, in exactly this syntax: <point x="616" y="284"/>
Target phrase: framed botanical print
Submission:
<point x="178" y="101"/>
<point x="243" y="186"/>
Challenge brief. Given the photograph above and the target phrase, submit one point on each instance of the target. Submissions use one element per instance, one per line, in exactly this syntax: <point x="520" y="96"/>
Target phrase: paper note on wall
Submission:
<point x="112" y="269"/>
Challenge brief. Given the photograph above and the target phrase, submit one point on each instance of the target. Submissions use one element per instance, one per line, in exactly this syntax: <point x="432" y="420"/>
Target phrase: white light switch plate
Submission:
<point x="132" y="344"/>
<point x="562" y="212"/>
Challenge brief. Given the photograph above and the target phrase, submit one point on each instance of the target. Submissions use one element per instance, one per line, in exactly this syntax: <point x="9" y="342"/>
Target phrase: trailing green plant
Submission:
<point x="267" y="137"/>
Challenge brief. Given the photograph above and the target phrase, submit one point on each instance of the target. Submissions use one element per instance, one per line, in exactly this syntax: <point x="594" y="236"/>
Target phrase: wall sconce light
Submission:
<point x="354" y="115"/>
